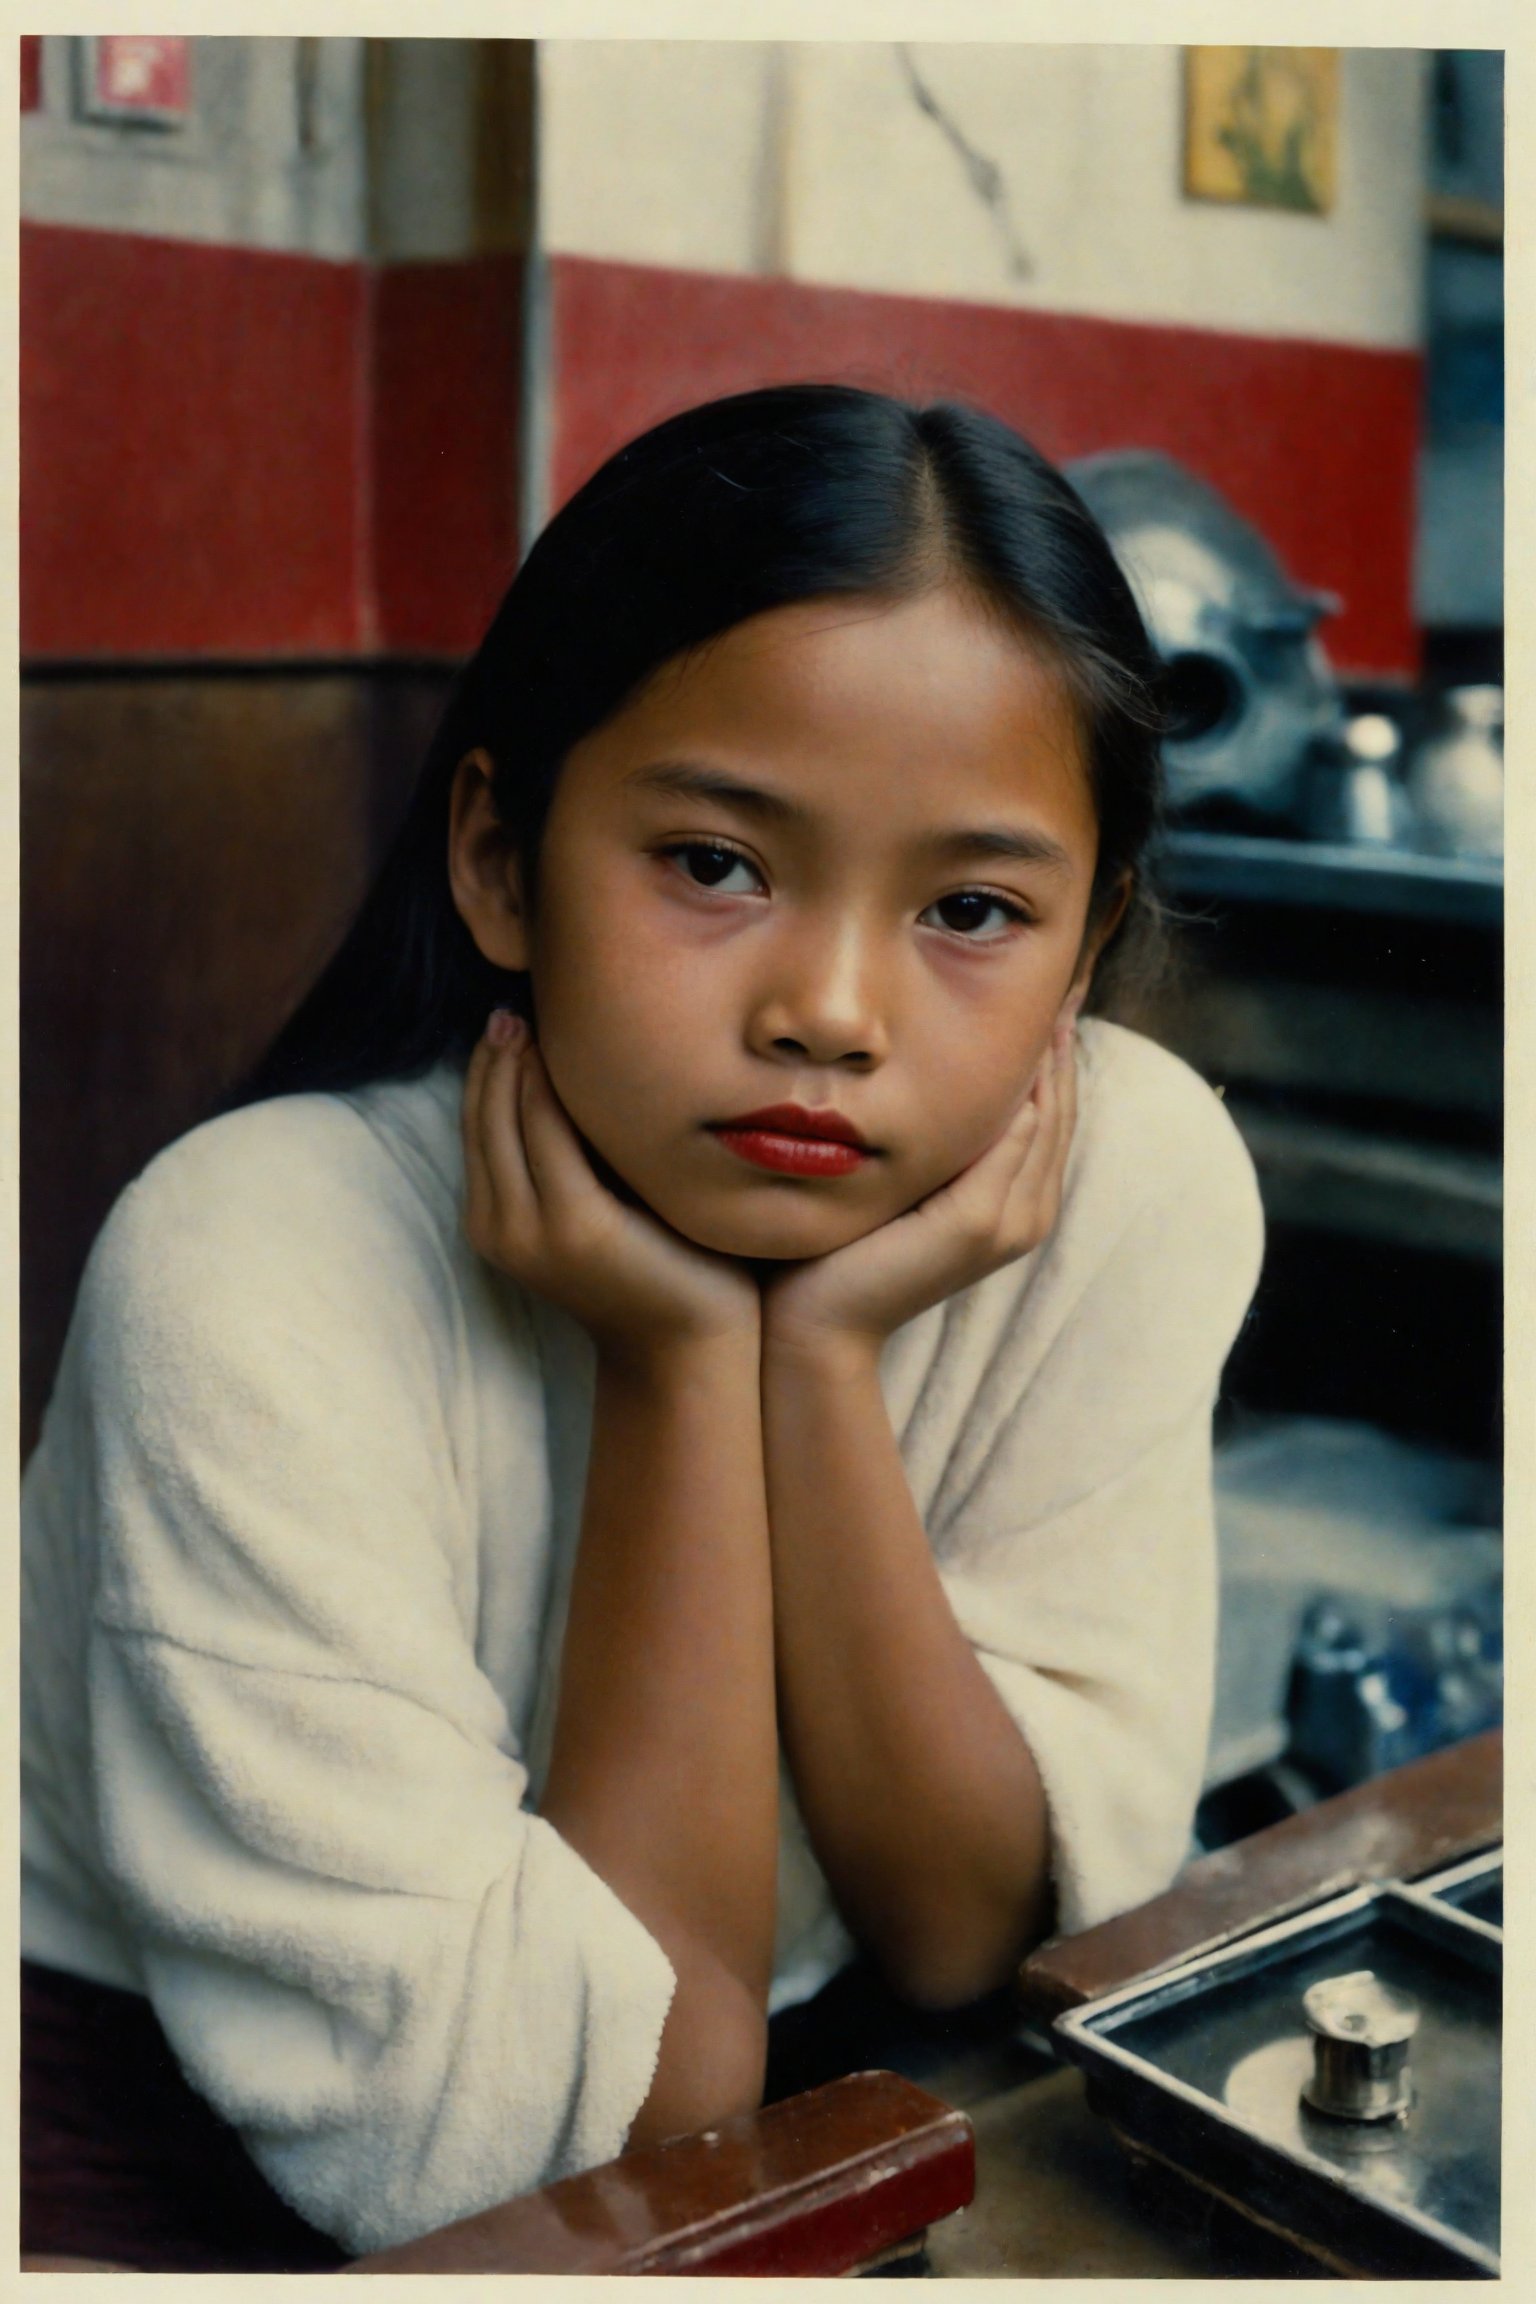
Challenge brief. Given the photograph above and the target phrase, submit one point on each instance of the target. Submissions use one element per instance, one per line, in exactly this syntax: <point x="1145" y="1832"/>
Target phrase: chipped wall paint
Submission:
<point x="1046" y="178"/>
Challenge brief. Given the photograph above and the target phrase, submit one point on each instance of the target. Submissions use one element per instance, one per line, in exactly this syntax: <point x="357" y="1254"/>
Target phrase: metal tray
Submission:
<point x="1475" y="1887"/>
<point x="1201" y="2068"/>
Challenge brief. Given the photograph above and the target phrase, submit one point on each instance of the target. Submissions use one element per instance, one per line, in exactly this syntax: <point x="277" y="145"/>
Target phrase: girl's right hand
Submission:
<point x="534" y="1208"/>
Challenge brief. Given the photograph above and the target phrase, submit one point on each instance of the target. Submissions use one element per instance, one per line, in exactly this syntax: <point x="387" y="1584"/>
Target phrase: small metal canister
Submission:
<point x="1456" y="782"/>
<point x="1361" y="2031"/>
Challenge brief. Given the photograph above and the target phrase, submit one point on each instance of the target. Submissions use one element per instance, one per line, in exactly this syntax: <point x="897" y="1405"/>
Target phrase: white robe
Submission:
<point x="297" y="1544"/>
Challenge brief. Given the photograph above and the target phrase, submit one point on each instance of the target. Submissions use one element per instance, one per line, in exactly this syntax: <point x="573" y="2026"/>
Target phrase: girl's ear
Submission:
<point x="484" y="869"/>
<point x="1094" y="942"/>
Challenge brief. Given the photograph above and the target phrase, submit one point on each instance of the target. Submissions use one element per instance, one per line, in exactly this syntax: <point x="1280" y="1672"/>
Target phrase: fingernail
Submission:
<point x="502" y="1027"/>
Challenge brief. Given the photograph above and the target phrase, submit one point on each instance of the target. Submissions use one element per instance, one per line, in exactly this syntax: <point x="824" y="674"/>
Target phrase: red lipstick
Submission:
<point x="794" y="1141"/>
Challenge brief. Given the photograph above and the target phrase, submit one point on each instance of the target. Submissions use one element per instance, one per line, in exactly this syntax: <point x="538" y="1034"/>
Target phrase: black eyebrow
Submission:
<point x="967" y="843"/>
<point x="690" y="782"/>
<point x="999" y="841"/>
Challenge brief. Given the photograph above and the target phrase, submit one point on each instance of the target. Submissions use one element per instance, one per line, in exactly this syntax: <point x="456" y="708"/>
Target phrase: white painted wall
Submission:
<point x="814" y="160"/>
<point x="817" y="160"/>
<point x="423" y="142"/>
<point x="237" y="171"/>
<point x="334" y="148"/>
<point x="659" y="151"/>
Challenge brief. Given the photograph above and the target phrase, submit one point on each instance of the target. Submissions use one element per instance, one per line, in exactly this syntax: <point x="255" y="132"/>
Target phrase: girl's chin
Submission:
<point x="790" y="1235"/>
<point x="774" y="1224"/>
<point x="770" y="1244"/>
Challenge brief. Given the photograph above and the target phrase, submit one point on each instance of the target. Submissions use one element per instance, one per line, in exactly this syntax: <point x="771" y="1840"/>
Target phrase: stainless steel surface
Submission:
<point x="1456" y="778"/>
<point x="1465" y="889"/>
<point x="1353" y="791"/>
<point x="1058" y="2198"/>
<point x="1208" y="2064"/>
<point x="1054" y="2198"/>
<point x="1361" y="2033"/>
<point x="1475" y="1889"/>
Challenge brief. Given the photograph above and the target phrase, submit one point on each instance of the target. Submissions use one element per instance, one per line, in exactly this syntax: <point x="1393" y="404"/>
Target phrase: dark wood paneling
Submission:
<point x="191" y="848"/>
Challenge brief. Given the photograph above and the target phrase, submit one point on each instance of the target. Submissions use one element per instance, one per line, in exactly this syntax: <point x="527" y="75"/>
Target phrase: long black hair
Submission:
<point x="756" y="502"/>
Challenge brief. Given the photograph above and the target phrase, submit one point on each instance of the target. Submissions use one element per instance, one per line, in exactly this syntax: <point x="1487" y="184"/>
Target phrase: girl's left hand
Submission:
<point x="993" y="1212"/>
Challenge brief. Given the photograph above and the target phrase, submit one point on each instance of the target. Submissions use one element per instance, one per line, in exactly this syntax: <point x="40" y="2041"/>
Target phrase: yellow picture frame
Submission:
<point x="1261" y="127"/>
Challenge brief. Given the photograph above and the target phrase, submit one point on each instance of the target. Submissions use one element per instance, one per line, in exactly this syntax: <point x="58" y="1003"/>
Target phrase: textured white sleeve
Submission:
<point x="1080" y="1557"/>
<point x="406" y="1992"/>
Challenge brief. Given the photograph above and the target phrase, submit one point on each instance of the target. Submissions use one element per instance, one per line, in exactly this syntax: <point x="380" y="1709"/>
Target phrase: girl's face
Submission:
<point x="833" y="868"/>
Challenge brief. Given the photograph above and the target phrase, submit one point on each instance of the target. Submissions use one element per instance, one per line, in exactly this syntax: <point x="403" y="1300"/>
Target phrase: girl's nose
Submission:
<point x="822" y="1004"/>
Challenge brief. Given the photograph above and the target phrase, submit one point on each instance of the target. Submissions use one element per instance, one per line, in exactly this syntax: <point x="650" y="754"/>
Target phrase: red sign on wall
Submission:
<point x="136" y="76"/>
<point x="31" y="72"/>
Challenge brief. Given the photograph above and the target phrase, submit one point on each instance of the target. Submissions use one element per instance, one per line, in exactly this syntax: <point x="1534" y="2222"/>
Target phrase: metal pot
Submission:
<point x="1251" y="694"/>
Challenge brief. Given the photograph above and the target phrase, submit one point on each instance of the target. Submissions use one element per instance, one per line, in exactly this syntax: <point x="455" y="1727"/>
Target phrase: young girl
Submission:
<point x="669" y="1436"/>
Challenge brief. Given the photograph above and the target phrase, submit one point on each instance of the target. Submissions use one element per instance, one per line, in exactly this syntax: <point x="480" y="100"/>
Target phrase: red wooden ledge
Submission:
<point x="816" y="2185"/>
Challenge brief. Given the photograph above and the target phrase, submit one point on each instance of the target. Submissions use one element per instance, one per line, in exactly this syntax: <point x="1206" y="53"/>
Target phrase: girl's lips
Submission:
<point x="795" y="1140"/>
<point x="792" y="1155"/>
<point x="799" y="1120"/>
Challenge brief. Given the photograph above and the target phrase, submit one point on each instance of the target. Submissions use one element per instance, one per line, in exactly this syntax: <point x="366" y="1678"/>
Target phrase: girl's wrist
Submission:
<point x="681" y="1354"/>
<point x="823" y="1351"/>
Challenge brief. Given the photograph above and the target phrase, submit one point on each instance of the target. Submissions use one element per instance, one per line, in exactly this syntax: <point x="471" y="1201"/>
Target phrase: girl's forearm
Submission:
<point x="663" y="1772"/>
<point x="921" y="1798"/>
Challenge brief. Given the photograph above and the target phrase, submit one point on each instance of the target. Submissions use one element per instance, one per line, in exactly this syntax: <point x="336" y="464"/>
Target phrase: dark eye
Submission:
<point x="712" y="866"/>
<point x="974" y="913"/>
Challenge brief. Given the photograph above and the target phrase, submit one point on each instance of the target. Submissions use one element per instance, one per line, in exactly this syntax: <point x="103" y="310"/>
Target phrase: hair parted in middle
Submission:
<point x="724" y="512"/>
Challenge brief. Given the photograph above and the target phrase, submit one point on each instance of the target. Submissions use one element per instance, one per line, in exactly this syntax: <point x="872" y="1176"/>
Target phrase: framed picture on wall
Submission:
<point x="141" y="79"/>
<point x="1261" y="126"/>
